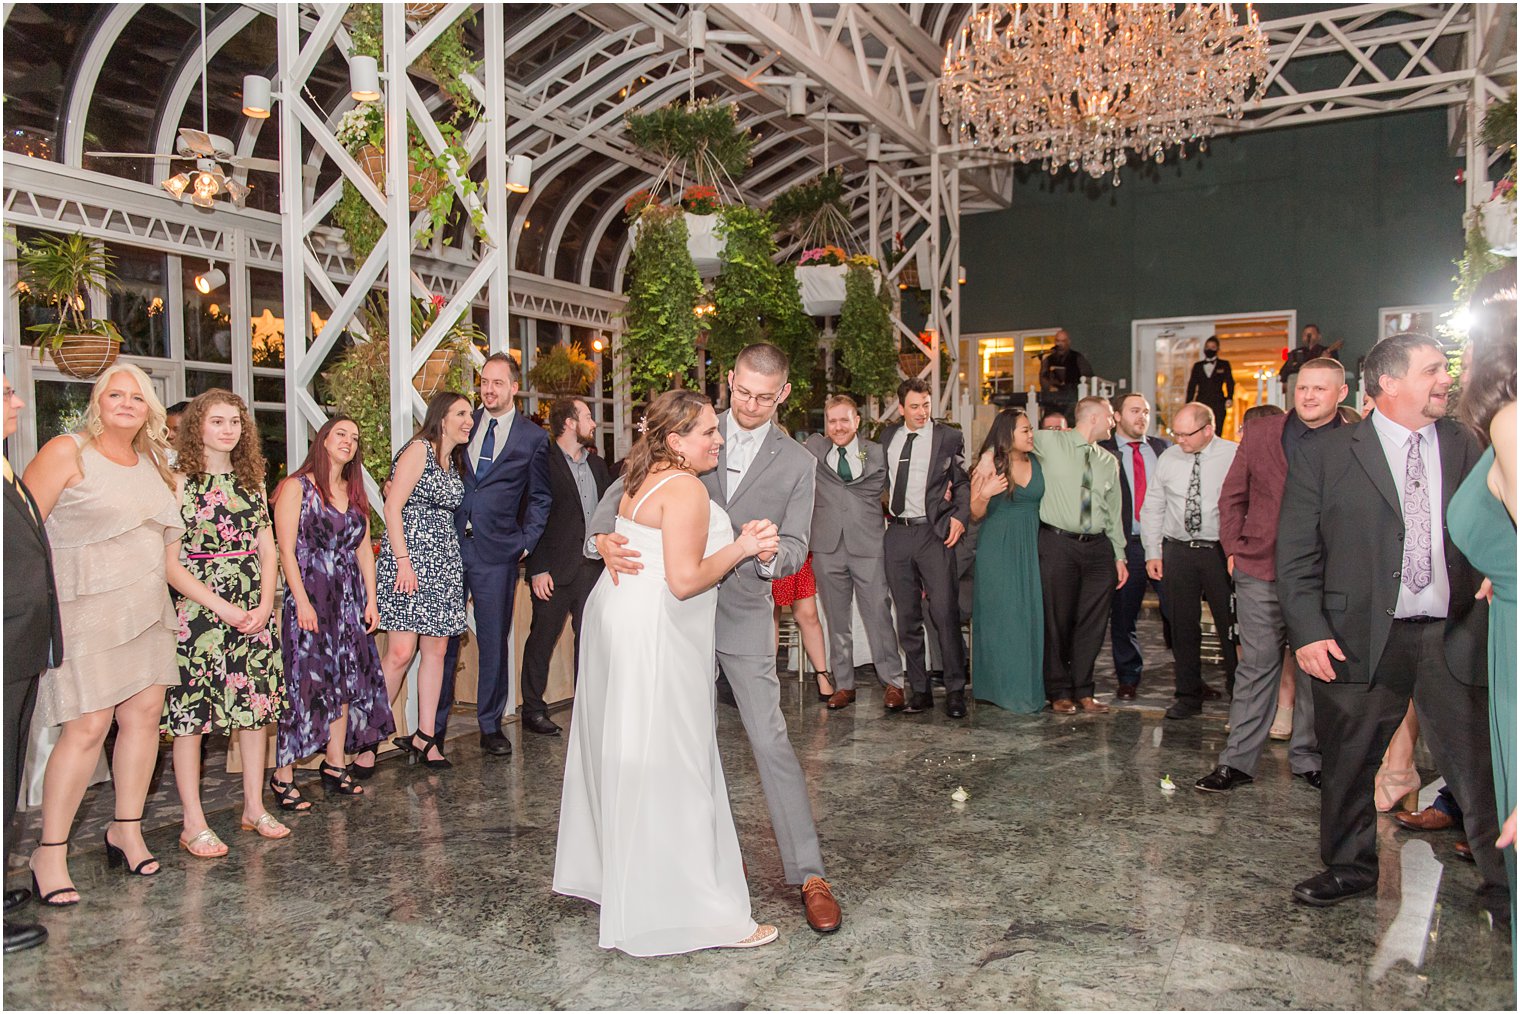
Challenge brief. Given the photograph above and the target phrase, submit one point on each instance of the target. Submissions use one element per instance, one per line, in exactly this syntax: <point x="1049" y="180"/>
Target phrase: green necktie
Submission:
<point x="1087" y="483"/>
<point x="844" y="466"/>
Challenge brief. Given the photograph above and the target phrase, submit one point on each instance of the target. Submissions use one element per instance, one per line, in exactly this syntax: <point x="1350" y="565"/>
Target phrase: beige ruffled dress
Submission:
<point x="108" y="535"/>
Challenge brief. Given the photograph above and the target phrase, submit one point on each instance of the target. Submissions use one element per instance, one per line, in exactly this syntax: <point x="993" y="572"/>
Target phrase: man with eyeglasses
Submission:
<point x="1179" y="526"/>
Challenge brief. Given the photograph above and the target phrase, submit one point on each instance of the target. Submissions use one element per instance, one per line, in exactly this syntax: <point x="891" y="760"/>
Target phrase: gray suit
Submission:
<point x="777" y="486"/>
<point x="849" y="560"/>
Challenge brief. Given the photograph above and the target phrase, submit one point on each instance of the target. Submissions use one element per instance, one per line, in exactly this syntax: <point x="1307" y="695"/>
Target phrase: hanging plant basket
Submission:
<point x="84" y="356"/>
<point x="702" y="242"/>
<point x="907" y="278"/>
<point x="421" y="186"/>
<point x="822" y="287"/>
<point x="422" y="12"/>
<point x="1498" y="220"/>
<point x="912" y="363"/>
<point x="434" y="375"/>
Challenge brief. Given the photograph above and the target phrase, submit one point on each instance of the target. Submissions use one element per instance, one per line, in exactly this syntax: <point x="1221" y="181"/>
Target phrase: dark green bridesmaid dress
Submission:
<point x="1008" y="612"/>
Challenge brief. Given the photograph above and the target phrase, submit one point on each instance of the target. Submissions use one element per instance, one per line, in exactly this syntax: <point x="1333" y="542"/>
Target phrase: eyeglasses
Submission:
<point x="764" y="400"/>
<point x="1194" y="433"/>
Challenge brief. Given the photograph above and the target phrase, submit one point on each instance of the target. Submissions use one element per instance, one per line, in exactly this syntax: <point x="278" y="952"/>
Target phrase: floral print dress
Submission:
<point x="228" y="681"/>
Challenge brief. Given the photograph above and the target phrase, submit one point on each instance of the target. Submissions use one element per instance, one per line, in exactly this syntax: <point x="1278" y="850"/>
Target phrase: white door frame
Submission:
<point x="1143" y="354"/>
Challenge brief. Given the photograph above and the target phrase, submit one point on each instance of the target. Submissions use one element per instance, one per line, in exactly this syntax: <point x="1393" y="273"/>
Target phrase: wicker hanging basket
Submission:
<point x="434" y="373"/>
<point x="372" y="161"/>
<point x="84" y="356"/>
<point x="912" y="363"/>
<point x="422" y="12"/>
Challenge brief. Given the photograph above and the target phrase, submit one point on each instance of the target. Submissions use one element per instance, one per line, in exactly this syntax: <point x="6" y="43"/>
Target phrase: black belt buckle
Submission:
<point x="906" y="522"/>
<point x="1079" y="536"/>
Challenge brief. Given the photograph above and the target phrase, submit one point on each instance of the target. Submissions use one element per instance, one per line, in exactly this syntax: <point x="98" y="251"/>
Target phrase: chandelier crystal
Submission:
<point x="1085" y="85"/>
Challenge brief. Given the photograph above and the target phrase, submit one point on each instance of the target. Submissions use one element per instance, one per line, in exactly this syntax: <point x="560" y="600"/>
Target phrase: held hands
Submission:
<point x="617" y="559"/>
<point x="406" y="577"/>
<point x="1153" y="569"/>
<point x="543" y="586"/>
<point x="760" y="539"/>
<point x="957" y="529"/>
<point x="1314" y="659"/>
<point x="231" y="615"/>
<point x="257" y="620"/>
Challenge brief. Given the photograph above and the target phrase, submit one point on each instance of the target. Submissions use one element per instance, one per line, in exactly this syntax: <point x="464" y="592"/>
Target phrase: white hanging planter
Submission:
<point x="704" y="244"/>
<point x="1498" y="219"/>
<point x="822" y="287"/>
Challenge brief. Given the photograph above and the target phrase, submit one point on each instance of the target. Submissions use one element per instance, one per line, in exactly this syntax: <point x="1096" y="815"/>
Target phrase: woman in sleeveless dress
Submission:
<point x="421" y="573"/>
<point x="107" y="497"/>
<point x="645" y="828"/>
<point x="231" y="679"/>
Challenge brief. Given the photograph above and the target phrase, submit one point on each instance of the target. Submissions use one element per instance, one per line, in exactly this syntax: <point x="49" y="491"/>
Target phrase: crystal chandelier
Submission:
<point x="1082" y="85"/>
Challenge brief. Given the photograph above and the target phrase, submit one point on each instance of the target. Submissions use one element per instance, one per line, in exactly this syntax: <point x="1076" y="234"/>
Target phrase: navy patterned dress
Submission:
<point x="337" y="663"/>
<point x="436" y="608"/>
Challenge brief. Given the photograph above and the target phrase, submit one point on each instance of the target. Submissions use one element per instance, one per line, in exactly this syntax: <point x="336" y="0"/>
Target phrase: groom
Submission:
<point x="762" y="475"/>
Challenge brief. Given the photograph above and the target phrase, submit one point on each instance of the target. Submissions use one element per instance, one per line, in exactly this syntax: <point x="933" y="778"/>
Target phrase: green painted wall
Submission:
<point x="1334" y="220"/>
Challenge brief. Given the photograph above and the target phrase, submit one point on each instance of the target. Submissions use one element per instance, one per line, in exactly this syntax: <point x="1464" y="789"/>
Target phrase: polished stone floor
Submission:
<point x="1068" y="879"/>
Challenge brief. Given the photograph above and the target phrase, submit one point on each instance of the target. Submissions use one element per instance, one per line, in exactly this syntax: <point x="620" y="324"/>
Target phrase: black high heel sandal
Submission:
<point x="361" y="772"/>
<point x="47" y="899"/>
<point x="339" y="780"/>
<point x="828" y="678"/>
<point x="419" y="754"/>
<point x="287" y="797"/>
<point x="118" y="857"/>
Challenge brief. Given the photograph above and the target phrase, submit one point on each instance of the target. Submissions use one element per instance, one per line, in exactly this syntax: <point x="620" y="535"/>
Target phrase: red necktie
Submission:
<point x="1139" y="497"/>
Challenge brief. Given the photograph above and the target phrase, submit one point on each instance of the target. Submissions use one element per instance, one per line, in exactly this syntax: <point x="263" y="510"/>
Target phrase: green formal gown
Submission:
<point x="1482" y="529"/>
<point x="1008" y="613"/>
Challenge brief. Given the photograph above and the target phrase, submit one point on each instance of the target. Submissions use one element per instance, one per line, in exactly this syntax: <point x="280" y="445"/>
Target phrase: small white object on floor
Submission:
<point x="960" y="795"/>
<point x="1167" y="785"/>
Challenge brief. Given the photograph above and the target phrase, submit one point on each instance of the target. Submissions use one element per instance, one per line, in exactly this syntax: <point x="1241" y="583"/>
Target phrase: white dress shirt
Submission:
<point x="503" y="427"/>
<point x="918" y="468"/>
<point x="742" y="445"/>
<point x="1166" y="494"/>
<point x="851" y="454"/>
<point x="1435" y="598"/>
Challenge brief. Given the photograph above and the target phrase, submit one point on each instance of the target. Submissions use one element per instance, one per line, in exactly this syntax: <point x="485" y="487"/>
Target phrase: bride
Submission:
<point x="645" y="829"/>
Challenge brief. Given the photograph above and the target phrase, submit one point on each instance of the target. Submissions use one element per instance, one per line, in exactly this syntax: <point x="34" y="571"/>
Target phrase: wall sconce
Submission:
<point x="796" y="99"/>
<point x="210" y="280"/>
<point x="257" y="96"/>
<point x="363" y="79"/>
<point x="597" y="345"/>
<point x="520" y="174"/>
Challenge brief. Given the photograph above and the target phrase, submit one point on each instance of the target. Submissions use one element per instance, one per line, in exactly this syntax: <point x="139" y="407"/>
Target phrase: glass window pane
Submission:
<point x="270" y="389"/>
<point x="136" y="302"/>
<point x="197" y="381"/>
<point x="41" y="41"/>
<point x="272" y="434"/>
<point x="60" y="406"/>
<point x="208" y="319"/>
<point x="267" y="298"/>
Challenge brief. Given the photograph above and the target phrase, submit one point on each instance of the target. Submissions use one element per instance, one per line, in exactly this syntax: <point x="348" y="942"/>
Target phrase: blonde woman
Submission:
<point x="108" y="501"/>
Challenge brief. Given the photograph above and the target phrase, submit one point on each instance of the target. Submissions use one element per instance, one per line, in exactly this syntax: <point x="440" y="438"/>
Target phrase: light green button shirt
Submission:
<point x="1063" y="456"/>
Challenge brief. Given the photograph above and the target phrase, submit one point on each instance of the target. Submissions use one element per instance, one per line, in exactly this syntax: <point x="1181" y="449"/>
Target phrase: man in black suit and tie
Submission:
<point x="1137" y="454"/>
<point x="924" y="459"/>
<point x="1381" y="605"/>
<point x="558" y="571"/>
<point x="503" y="514"/>
<point x="33" y="643"/>
<point x="1212" y="382"/>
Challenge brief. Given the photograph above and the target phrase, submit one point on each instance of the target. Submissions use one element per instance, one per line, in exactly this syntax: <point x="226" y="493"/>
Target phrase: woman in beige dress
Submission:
<point x="107" y="498"/>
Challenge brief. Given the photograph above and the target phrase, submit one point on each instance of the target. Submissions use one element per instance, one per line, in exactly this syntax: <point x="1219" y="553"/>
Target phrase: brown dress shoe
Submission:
<point x="841" y="699"/>
<point x="1092" y="707"/>
<point x="818" y="903"/>
<point x="1463" y="851"/>
<point x="893" y="699"/>
<point x="1063" y="707"/>
<point x="1126" y="692"/>
<point x="1428" y="819"/>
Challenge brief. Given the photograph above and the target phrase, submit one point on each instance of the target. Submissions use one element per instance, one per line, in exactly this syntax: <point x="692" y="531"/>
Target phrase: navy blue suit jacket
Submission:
<point x="508" y="509"/>
<point x="1126" y="496"/>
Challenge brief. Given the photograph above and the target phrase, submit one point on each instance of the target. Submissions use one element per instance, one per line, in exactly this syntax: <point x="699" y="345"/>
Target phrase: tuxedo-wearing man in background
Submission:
<point x="924" y="459"/>
<point x="1180" y="528"/>
<point x="503" y="514"/>
<point x="1381" y="605"/>
<point x="33" y="644"/>
<point x="1249" y="508"/>
<point x="849" y="555"/>
<point x="1212" y="382"/>
<point x="557" y="570"/>
<point x="1137" y="455"/>
<point x="762" y="474"/>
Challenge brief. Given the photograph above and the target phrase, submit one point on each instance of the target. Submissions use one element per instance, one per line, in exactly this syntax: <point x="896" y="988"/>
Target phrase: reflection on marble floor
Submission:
<point x="1068" y="879"/>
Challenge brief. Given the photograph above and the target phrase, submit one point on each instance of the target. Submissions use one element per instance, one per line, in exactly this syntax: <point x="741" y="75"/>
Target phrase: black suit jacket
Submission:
<point x="947" y="467"/>
<point x="1111" y="445"/>
<point x="561" y="549"/>
<point x="1340" y="551"/>
<point x="1212" y="391"/>
<point x="33" y="628"/>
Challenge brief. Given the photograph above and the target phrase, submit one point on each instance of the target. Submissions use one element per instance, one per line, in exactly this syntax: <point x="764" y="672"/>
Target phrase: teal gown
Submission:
<point x="1008" y="612"/>
<point x="1482" y="529"/>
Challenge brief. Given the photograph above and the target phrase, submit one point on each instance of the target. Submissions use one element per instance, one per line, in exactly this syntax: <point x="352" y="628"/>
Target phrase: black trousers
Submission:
<point x="1355" y="721"/>
<point x="567" y="600"/>
<point x="1077" y="577"/>
<point x="1189" y="576"/>
<point x="20" y="699"/>
<point x="921" y="569"/>
<point x="1128" y="665"/>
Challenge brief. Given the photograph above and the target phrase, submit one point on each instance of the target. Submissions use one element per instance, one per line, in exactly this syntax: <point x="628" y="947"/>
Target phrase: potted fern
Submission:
<point x="60" y="271"/>
<point x="563" y="370"/>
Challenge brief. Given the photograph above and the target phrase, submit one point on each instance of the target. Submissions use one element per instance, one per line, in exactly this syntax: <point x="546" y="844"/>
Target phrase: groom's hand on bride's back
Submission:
<point x="619" y="560"/>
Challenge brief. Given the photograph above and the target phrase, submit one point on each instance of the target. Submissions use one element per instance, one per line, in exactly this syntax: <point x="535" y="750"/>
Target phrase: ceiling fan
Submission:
<point x="208" y="151"/>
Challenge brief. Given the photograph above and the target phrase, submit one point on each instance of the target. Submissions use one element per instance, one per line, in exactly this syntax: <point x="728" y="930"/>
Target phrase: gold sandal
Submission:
<point x="206" y="838"/>
<point x="267" y="827"/>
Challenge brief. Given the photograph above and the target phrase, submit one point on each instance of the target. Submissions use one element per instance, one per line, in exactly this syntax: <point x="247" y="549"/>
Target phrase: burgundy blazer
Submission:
<point x="1251" y="498"/>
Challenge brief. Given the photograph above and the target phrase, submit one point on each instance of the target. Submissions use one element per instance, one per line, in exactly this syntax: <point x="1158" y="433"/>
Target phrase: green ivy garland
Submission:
<point x="758" y="300"/>
<point x="864" y="333"/>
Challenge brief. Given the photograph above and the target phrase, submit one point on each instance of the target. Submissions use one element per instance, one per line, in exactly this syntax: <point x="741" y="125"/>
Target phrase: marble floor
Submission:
<point x="1067" y="879"/>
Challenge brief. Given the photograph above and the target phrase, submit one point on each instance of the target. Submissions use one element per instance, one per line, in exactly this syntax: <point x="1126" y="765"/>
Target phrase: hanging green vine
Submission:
<point x="660" y="342"/>
<point x="705" y="138"/>
<point x="757" y="299"/>
<point x="864" y="333"/>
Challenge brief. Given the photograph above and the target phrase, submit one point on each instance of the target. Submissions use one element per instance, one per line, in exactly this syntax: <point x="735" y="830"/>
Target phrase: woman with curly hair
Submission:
<point x="107" y="499"/>
<point x="231" y="678"/>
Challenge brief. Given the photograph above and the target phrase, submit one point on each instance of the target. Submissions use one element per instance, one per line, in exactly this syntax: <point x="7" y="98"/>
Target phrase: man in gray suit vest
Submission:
<point x="762" y="475"/>
<point x="849" y="558"/>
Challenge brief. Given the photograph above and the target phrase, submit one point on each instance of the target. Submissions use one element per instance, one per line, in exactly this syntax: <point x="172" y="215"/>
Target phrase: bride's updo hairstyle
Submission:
<point x="672" y="412"/>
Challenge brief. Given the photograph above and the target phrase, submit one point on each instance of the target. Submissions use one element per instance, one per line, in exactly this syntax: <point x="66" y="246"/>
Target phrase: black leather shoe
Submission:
<point x="1126" y="691"/>
<point x="1312" y="777"/>
<point x="1181" y="709"/>
<point x="1330" y="888"/>
<point x="15" y="898"/>
<point x="936" y="680"/>
<point x="495" y="744"/>
<point x="918" y="702"/>
<point x="955" y="703"/>
<point x="1222" y="779"/>
<point x="22" y="936"/>
<point x="540" y="724"/>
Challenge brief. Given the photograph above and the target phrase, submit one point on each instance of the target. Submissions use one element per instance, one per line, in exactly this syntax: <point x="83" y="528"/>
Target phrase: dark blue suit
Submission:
<point x="500" y="519"/>
<point x="1127" y="600"/>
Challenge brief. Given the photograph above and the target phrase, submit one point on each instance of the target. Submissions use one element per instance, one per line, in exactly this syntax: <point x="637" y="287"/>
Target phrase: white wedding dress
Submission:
<point x="645" y="829"/>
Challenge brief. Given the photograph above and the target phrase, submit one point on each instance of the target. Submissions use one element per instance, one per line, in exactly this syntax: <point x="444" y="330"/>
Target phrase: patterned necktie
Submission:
<point x="1416" y="519"/>
<point x="1192" y="511"/>
<point x="1139" y="469"/>
<point x="900" y="485"/>
<point x="844" y="466"/>
<point x="1085" y="506"/>
<point x="487" y="450"/>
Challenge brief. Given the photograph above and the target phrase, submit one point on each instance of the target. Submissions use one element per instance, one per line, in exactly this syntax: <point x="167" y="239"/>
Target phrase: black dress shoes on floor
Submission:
<point x="15" y="898"/>
<point x="495" y="744"/>
<point x="540" y="724"/>
<point x="936" y="680"/>
<point x="1312" y="777"/>
<point x="1126" y="691"/>
<point x="1330" y="888"/>
<point x="1222" y="779"/>
<point x="23" y="936"/>
<point x="1182" y="709"/>
<point x="918" y="702"/>
<point x="955" y="703"/>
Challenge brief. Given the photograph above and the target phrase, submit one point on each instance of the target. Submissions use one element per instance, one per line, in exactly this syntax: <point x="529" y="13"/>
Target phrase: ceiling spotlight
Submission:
<point x="796" y="99"/>
<point x="520" y="174"/>
<point x="206" y="186"/>
<point x="363" y="79"/>
<point x="210" y="281"/>
<point x="176" y="185"/>
<point x="256" y="96"/>
<point x="597" y="345"/>
<point x="697" y="36"/>
<point x="873" y="146"/>
<point x="962" y="278"/>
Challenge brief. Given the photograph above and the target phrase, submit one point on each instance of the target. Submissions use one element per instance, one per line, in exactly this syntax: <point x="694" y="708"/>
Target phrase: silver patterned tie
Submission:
<point x="1416" y="574"/>
<point x="1192" y="508"/>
